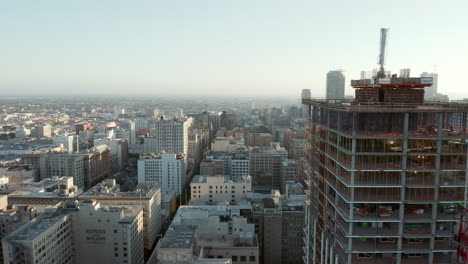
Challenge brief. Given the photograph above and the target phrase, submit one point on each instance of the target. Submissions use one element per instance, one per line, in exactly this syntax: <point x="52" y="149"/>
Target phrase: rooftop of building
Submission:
<point x="215" y="179"/>
<point x="151" y="155"/>
<point x="48" y="150"/>
<point x="46" y="188"/>
<point x="179" y="236"/>
<point x="274" y="148"/>
<point x="194" y="211"/>
<point x="289" y="162"/>
<point x="37" y="226"/>
<point x="109" y="189"/>
<point x="262" y="134"/>
<point x="128" y="212"/>
<point x="55" y="215"/>
<point x="245" y="239"/>
<point x="392" y="81"/>
<point x="40" y="194"/>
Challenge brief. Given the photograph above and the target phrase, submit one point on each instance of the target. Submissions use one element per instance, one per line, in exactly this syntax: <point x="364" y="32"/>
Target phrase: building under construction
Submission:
<point x="387" y="175"/>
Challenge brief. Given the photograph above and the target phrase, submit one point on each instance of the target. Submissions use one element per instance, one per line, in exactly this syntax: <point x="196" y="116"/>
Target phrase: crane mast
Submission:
<point x="383" y="46"/>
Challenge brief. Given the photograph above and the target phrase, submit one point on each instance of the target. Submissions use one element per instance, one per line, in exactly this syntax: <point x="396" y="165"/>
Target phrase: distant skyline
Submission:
<point x="244" y="47"/>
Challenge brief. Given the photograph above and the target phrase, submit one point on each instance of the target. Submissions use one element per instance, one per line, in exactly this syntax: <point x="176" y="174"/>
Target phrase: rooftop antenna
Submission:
<point x="383" y="46"/>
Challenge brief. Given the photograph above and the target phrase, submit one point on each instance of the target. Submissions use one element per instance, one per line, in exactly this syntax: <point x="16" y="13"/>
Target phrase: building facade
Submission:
<point x="170" y="136"/>
<point x="335" y="85"/>
<point x="79" y="233"/>
<point x="166" y="169"/>
<point x="265" y="167"/>
<point x="216" y="189"/>
<point x="385" y="179"/>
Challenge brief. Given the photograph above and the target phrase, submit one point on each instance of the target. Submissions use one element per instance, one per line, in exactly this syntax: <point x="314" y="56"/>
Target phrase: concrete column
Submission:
<point x="327" y="248"/>
<point x="404" y="166"/>
<point x="322" y="244"/>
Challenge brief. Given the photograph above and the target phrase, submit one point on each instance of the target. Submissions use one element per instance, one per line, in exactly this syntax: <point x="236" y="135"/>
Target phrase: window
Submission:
<point x="234" y="258"/>
<point x="243" y="258"/>
<point x="252" y="258"/>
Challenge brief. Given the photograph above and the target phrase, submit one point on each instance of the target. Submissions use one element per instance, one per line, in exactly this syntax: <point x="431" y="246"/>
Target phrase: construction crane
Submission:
<point x="383" y="46"/>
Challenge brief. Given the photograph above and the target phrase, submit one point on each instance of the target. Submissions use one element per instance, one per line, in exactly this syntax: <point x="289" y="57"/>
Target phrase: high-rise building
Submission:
<point x="42" y="130"/>
<point x="118" y="151"/>
<point x="289" y="172"/>
<point x="97" y="165"/>
<point x="265" y="166"/>
<point x="335" y="85"/>
<point x="386" y="179"/>
<point x="194" y="147"/>
<point x="167" y="169"/>
<point x="57" y="164"/>
<point x="13" y="217"/>
<point x="258" y="139"/>
<point x="64" y="141"/>
<point x="170" y="136"/>
<point x="156" y="112"/>
<point x="278" y="225"/>
<point x="228" y="120"/>
<point x="79" y="233"/>
<point x="212" y="166"/>
<point x="430" y="92"/>
<point x="147" y="194"/>
<point x="305" y="95"/>
<point x="87" y="168"/>
<point x="240" y="165"/>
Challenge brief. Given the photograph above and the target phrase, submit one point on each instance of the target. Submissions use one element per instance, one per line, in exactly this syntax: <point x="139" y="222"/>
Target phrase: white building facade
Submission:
<point x="215" y="189"/>
<point x="167" y="169"/>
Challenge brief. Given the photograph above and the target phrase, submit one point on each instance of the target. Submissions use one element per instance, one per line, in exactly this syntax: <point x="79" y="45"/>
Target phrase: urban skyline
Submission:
<point x="247" y="132"/>
<point x="254" y="48"/>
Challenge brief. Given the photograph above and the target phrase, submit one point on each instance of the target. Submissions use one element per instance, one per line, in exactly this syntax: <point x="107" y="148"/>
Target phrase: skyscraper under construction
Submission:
<point x="387" y="174"/>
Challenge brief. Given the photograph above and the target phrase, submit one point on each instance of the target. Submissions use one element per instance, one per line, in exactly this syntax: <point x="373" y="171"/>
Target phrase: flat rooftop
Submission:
<point x="228" y="240"/>
<point x="37" y="226"/>
<point x="217" y="179"/>
<point x="179" y="236"/>
<point x="101" y="190"/>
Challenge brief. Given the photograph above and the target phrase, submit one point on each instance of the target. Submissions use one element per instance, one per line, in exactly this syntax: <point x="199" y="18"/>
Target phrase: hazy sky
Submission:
<point x="221" y="46"/>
